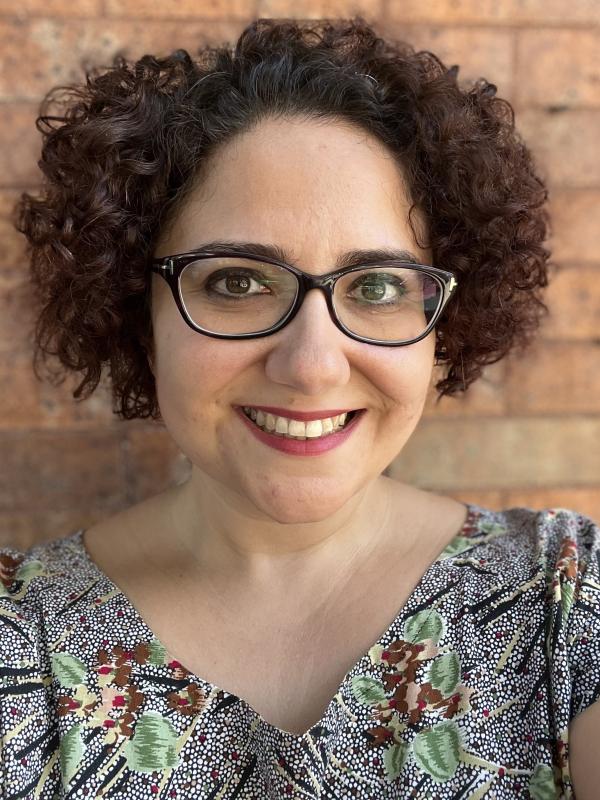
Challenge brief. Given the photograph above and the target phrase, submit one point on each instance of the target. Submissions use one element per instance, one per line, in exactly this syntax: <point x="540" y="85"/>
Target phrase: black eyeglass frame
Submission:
<point x="171" y="267"/>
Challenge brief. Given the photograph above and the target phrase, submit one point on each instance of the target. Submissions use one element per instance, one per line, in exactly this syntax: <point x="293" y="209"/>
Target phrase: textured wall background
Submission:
<point x="527" y="434"/>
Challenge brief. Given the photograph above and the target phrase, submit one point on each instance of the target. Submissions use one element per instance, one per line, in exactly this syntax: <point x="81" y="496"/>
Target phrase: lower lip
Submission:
<point x="303" y="447"/>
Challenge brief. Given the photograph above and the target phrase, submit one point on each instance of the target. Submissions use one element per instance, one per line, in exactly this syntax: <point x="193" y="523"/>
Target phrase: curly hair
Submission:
<point x="129" y="144"/>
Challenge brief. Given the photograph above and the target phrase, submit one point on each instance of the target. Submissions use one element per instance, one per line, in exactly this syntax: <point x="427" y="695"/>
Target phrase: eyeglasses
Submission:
<point x="232" y="295"/>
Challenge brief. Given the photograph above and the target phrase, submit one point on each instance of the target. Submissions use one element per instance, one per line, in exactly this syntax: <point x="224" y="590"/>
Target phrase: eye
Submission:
<point x="377" y="288"/>
<point x="236" y="281"/>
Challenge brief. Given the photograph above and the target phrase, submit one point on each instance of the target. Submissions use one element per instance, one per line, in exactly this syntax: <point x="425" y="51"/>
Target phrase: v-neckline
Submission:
<point x="473" y="513"/>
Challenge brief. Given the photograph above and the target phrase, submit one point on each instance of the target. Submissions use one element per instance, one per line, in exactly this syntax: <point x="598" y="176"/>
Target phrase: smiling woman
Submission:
<point x="270" y="248"/>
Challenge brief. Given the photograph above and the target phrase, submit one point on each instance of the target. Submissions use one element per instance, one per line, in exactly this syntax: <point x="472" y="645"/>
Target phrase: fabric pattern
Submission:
<point x="467" y="694"/>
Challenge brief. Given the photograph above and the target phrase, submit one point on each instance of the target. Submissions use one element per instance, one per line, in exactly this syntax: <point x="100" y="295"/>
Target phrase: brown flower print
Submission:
<point x="8" y="568"/>
<point x="187" y="701"/>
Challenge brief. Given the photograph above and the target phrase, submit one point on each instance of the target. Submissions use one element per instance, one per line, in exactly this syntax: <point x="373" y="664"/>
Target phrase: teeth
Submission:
<point x="294" y="428"/>
<point x="314" y="429"/>
<point x="270" y="422"/>
<point x="281" y="425"/>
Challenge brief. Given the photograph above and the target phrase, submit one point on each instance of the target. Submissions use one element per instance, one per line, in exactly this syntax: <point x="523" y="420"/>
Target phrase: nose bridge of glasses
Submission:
<point x="309" y="282"/>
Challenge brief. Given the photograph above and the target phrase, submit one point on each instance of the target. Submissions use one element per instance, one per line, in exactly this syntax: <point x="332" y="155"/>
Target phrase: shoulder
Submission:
<point x="556" y="540"/>
<point x="35" y="584"/>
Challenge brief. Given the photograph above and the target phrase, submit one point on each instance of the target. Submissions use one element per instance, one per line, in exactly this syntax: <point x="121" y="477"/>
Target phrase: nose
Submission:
<point x="310" y="354"/>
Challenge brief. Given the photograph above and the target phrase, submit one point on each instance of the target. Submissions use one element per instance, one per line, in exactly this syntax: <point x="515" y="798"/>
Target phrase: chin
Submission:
<point x="289" y="505"/>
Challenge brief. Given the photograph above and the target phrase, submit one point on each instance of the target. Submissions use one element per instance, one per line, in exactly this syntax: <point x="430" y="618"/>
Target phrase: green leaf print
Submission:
<point x="444" y="673"/>
<point x="29" y="570"/>
<point x="436" y="751"/>
<point x="154" y="744"/>
<point x="426" y="624"/>
<point x="567" y="591"/>
<point x="158" y="654"/>
<point x="458" y="545"/>
<point x="541" y="784"/>
<point x="71" y="753"/>
<point x="367" y="691"/>
<point x="394" y="759"/>
<point x="492" y="528"/>
<point x="69" y="670"/>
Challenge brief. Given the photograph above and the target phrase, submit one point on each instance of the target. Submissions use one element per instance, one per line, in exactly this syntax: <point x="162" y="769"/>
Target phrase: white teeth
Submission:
<point x="281" y="425"/>
<point x="270" y="422"/>
<point x="314" y="429"/>
<point x="295" y="428"/>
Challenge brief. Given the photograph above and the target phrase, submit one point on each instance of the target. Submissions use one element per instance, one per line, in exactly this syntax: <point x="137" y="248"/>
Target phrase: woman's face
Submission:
<point x="317" y="190"/>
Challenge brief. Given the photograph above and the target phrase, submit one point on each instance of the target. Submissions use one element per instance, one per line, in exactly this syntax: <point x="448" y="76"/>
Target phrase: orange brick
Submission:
<point x="16" y="319"/>
<point x="20" y="145"/>
<point x="483" y="398"/>
<point x="43" y="470"/>
<point x="25" y="78"/>
<point x="577" y="82"/>
<point x="12" y="243"/>
<point x="24" y="529"/>
<point x="511" y="453"/>
<point x="493" y="12"/>
<point x="311" y="9"/>
<point x="26" y="402"/>
<point x="566" y="145"/>
<point x="573" y="298"/>
<point x="60" y="49"/>
<point x="20" y="397"/>
<point x="555" y="378"/>
<point x="479" y="52"/>
<point x="576" y="225"/>
<point x="158" y="461"/>
<point x="586" y="501"/>
<point x="51" y="8"/>
<point x="158" y="9"/>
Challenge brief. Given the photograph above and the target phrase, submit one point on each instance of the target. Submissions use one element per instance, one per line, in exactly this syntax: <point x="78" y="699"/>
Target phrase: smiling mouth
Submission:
<point x="295" y="429"/>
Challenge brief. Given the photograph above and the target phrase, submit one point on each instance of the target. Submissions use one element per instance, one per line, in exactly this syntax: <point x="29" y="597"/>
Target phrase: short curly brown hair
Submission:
<point x="129" y="144"/>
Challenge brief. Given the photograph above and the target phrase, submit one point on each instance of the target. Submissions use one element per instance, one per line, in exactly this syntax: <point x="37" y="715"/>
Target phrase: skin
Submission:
<point x="252" y="522"/>
<point x="246" y="506"/>
<point x="584" y="734"/>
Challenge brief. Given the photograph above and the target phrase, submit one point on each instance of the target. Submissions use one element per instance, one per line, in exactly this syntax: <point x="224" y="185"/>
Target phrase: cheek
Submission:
<point x="403" y="374"/>
<point x="195" y="376"/>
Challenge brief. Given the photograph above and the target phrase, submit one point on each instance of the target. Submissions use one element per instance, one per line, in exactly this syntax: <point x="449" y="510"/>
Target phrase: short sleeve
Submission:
<point x="583" y="622"/>
<point x="27" y="730"/>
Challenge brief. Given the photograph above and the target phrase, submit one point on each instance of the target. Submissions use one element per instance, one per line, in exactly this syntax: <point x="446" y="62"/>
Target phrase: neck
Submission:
<point x="222" y="535"/>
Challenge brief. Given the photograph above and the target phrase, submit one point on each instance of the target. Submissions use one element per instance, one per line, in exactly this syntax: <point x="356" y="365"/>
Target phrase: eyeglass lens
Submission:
<point x="236" y="296"/>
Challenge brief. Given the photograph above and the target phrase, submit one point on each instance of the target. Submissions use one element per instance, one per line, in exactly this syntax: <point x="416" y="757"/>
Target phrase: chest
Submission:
<point x="286" y="662"/>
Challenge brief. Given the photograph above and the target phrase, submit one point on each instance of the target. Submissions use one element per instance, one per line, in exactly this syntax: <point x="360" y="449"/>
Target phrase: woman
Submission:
<point x="290" y="622"/>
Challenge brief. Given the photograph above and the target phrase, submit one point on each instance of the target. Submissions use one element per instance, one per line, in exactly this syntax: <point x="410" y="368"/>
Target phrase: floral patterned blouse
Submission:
<point x="467" y="694"/>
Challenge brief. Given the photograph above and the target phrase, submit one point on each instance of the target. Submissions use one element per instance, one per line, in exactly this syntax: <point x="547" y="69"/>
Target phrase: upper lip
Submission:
<point x="303" y="416"/>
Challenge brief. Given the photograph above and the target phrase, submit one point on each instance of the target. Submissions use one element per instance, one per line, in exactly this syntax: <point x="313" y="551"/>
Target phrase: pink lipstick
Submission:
<point x="302" y="447"/>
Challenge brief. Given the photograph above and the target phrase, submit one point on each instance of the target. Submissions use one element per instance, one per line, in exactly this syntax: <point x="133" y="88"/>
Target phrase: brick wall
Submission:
<point x="527" y="434"/>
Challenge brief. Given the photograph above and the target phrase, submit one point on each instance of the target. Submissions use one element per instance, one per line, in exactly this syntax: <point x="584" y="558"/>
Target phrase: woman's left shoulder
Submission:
<point x="559" y="540"/>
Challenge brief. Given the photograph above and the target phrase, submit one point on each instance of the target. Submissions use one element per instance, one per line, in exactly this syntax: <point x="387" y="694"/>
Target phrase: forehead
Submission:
<point x="315" y="187"/>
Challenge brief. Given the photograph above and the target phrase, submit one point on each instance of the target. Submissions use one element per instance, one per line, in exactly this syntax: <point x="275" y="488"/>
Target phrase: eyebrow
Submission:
<point x="351" y="258"/>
